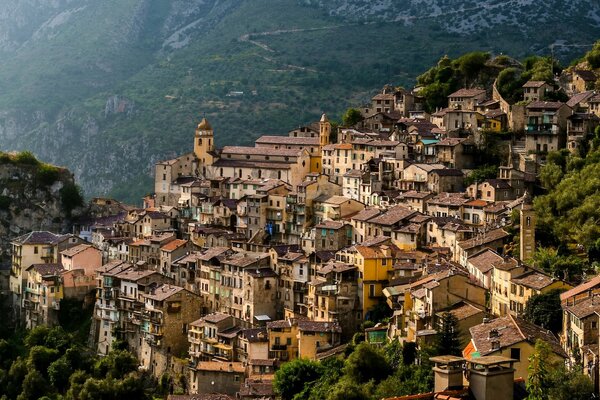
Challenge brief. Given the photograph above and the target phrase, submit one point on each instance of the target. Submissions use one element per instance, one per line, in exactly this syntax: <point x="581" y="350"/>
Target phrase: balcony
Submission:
<point x="275" y="216"/>
<point x="279" y="347"/>
<point x="541" y="129"/>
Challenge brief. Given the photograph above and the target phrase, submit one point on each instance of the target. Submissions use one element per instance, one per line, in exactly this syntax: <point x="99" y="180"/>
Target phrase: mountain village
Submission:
<point x="245" y="258"/>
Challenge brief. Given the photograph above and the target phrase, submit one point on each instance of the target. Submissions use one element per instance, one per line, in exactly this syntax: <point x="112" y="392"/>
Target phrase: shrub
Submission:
<point x="47" y="174"/>
<point x="27" y="158"/>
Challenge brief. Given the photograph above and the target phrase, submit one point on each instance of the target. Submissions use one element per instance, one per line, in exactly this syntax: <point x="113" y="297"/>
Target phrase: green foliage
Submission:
<point x="554" y="381"/>
<point x="347" y="389"/>
<point x="70" y="197"/>
<point x="551" y="175"/>
<point x="570" y="384"/>
<point x="117" y="363"/>
<point x="545" y="310"/>
<point x="538" y="378"/>
<point x="509" y="84"/>
<point x="41" y="357"/>
<point x="593" y="56"/>
<point x="54" y="365"/>
<point x="482" y="173"/>
<point x="449" y="75"/>
<point x="448" y="336"/>
<point x="351" y="117"/>
<point x="47" y="174"/>
<point x="26" y="158"/>
<point x="34" y="386"/>
<point x="564" y="266"/>
<point x="366" y="363"/>
<point x="293" y="376"/>
<point x="569" y="211"/>
<point x="59" y="373"/>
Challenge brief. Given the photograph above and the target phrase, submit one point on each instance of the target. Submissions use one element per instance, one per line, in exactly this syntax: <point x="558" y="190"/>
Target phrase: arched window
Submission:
<point x="199" y="141"/>
<point x="528" y="221"/>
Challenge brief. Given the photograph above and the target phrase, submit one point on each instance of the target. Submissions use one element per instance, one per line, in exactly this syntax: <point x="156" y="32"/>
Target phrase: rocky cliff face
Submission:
<point x="32" y="197"/>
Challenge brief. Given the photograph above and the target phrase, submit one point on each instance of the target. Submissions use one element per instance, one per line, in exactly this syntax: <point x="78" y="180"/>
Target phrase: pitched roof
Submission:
<point x="287" y="140"/>
<point x="163" y="292"/>
<point x="467" y="92"/>
<point x="75" y="250"/>
<point x="174" y="245"/>
<point x="256" y="335"/>
<point x="216" y="366"/>
<point x="393" y="216"/>
<point x="447" y="172"/>
<point x="509" y="331"/>
<point x="261" y="151"/>
<point x="484" y="260"/>
<point x="579" y="97"/>
<point x="498" y="183"/>
<point x="216" y="317"/>
<point x="534" y="279"/>
<point x="584" y="307"/>
<point x="586" y="75"/>
<point x="592" y="283"/>
<point x="463" y="310"/>
<point x="46" y="269"/>
<point x="534" y="84"/>
<point x="488" y="237"/>
<point x="546" y="105"/>
<point x="366" y="214"/>
<point x="39" y="237"/>
<point x="328" y="224"/>
<point x="318" y="326"/>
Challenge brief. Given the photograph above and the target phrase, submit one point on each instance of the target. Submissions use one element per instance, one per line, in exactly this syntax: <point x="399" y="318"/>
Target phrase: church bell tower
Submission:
<point x="204" y="143"/>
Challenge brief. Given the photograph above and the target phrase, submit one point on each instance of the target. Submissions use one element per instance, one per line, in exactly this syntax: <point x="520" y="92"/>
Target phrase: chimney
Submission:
<point x="491" y="378"/>
<point x="448" y="373"/>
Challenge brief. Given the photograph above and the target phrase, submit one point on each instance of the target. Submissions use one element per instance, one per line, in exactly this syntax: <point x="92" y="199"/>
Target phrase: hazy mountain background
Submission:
<point x="108" y="87"/>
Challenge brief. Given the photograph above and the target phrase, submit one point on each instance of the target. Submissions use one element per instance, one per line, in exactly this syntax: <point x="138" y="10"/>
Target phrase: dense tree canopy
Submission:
<point x="50" y="363"/>
<point x="544" y="310"/>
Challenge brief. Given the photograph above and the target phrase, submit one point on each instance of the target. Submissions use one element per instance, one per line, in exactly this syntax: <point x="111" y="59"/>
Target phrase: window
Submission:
<point x="35" y="250"/>
<point x="371" y="290"/>
<point x="515" y="354"/>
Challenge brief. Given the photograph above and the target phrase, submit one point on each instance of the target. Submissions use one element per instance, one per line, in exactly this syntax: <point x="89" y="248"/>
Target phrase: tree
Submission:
<point x="481" y="173"/>
<point x="593" y="56"/>
<point x="70" y="197"/>
<point x="538" y="380"/>
<point x="293" y="376"/>
<point x="570" y="384"/>
<point x="551" y="175"/>
<point x="367" y="363"/>
<point x="346" y="389"/>
<point x="34" y="386"/>
<point x="448" y="337"/>
<point x="351" y="117"/>
<point x="59" y="372"/>
<point x="545" y="310"/>
<point x="40" y="358"/>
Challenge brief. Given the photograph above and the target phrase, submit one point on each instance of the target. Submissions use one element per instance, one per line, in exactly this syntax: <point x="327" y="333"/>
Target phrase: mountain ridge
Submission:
<point x="110" y="97"/>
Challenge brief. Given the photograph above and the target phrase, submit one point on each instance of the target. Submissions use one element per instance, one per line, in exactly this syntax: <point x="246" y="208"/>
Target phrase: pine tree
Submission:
<point x="448" y="339"/>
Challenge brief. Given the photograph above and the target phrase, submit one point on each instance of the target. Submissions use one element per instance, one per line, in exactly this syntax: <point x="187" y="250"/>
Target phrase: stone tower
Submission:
<point x="527" y="230"/>
<point x="204" y="143"/>
<point x="324" y="131"/>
